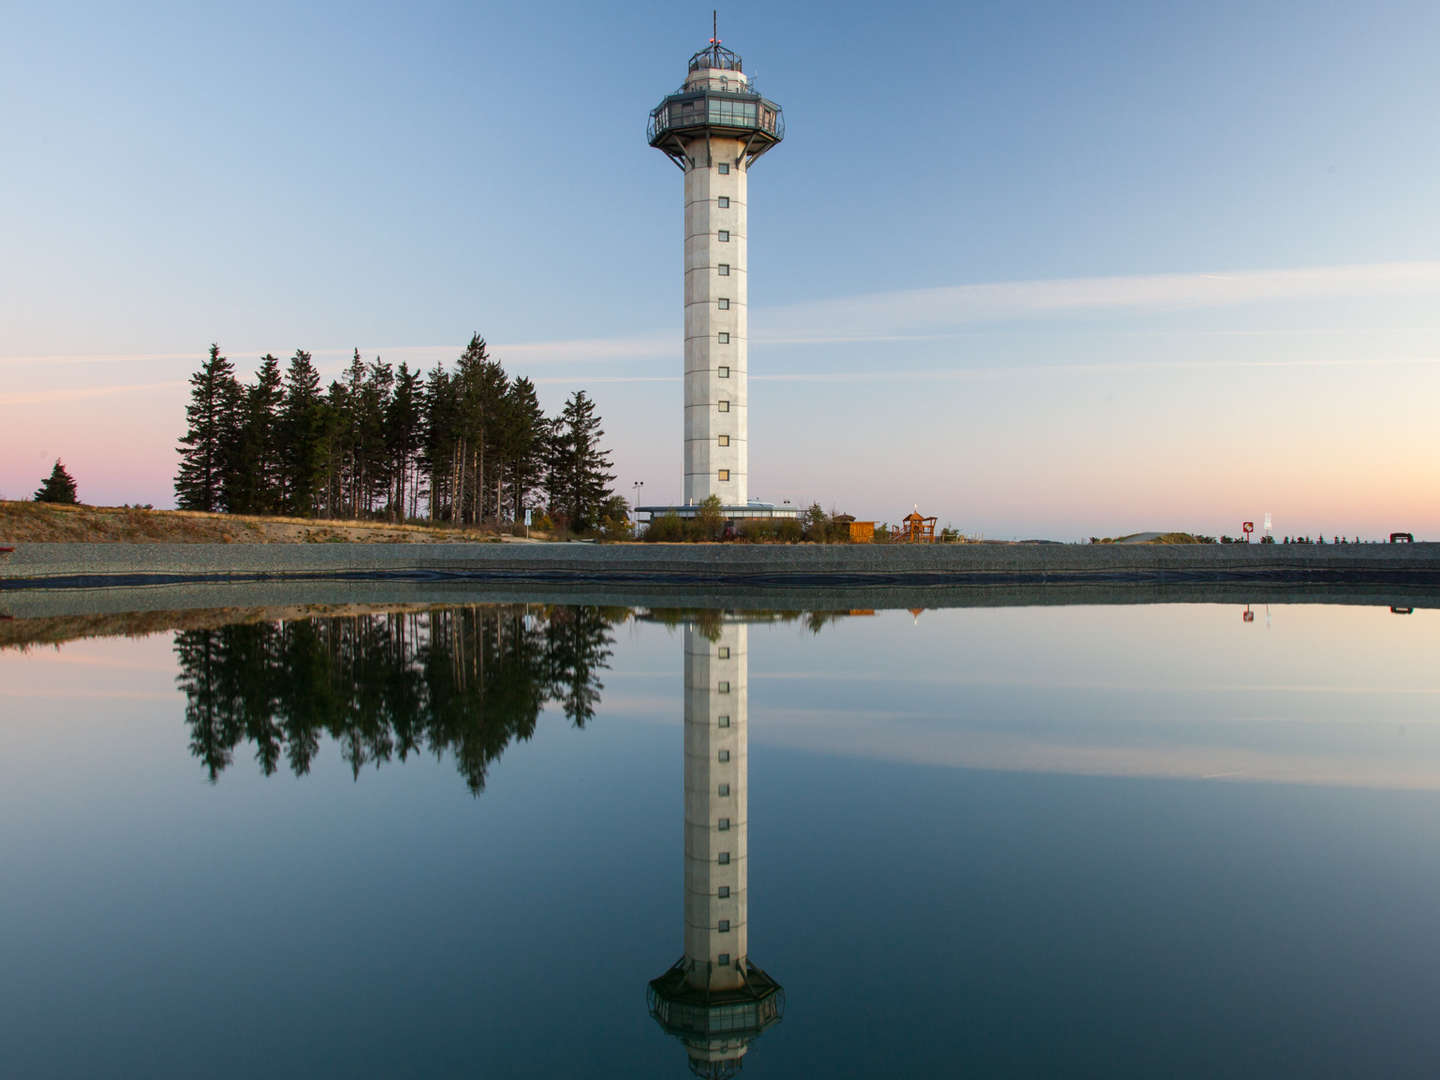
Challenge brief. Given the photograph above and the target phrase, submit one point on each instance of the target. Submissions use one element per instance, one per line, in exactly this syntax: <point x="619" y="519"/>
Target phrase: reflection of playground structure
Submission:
<point x="713" y="998"/>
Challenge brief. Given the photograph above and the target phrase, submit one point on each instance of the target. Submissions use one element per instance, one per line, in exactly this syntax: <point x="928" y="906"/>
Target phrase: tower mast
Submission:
<point x="714" y="128"/>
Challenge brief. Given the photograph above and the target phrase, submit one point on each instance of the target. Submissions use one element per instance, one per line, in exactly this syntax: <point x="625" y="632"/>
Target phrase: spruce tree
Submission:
<point x="579" y="477"/>
<point x="526" y="445"/>
<point x="481" y="384"/>
<point x="403" y="439"/>
<point x="59" y="487"/>
<point x="441" y="427"/>
<point x="209" y="418"/>
<point x="262" y="407"/>
<point x="302" y="427"/>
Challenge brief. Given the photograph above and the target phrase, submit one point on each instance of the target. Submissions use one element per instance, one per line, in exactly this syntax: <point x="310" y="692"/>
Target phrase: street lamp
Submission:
<point x="635" y="501"/>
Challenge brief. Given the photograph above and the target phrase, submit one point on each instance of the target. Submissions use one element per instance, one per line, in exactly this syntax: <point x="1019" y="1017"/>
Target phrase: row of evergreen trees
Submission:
<point x="465" y="447"/>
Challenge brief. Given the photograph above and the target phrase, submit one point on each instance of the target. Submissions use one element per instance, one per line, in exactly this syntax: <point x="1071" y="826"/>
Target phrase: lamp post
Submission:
<point x="635" y="501"/>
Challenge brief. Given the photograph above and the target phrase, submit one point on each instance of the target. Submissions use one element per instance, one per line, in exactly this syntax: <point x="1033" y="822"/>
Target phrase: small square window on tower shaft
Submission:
<point x="724" y="236"/>
<point x="723" y="202"/>
<point x="723" y="652"/>
<point x="724" y="303"/>
<point x="724" y="406"/>
<point x="724" y="168"/>
<point x="724" y="959"/>
<point x="724" y="475"/>
<point x="724" y="270"/>
<point x="723" y="371"/>
<point x="724" y="440"/>
<point x="724" y="892"/>
<point x="724" y="926"/>
<point x="724" y="337"/>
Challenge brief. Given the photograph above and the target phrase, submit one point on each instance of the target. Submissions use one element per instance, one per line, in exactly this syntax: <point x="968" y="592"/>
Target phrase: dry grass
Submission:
<point x="31" y="522"/>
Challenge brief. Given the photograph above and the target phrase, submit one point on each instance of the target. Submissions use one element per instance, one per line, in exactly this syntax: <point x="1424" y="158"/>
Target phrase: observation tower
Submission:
<point x="714" y="128"/>
<point x="713" y="999"/>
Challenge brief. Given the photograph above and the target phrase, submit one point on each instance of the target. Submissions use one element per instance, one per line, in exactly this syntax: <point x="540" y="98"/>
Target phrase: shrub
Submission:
<point x="709" y="521"/>
<point x="666" y="529"/>
<point x="758" y="531"/>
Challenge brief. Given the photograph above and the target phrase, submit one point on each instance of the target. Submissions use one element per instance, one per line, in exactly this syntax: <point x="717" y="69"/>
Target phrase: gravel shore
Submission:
<point x="100" y="565"/>
<point x="64" y="579"/>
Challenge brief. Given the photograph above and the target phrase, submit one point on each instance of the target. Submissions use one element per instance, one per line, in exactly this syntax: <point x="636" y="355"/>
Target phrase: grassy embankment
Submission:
<point x="1155" y="538"/>
<point x="31" y="522"/>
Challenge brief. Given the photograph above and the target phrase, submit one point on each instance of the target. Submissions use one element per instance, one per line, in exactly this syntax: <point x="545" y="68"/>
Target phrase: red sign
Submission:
<point x="1249" y="527"/>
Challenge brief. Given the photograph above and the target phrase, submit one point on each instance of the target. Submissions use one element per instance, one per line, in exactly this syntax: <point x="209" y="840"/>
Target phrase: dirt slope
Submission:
<point x="30" y="522"/>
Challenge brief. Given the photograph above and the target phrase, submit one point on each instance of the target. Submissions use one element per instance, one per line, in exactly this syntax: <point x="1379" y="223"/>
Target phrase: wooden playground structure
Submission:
<point x="914" y="529"/>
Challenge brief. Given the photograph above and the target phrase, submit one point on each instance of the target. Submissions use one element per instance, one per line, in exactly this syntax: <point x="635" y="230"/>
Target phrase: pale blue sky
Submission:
<point x="1054" y="269"/>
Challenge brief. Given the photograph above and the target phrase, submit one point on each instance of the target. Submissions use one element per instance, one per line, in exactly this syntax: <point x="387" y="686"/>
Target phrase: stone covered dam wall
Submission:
<point x="90" y="566"/>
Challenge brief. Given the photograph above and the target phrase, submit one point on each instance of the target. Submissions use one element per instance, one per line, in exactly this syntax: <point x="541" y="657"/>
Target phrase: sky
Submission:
<point x="1045" y="270"/>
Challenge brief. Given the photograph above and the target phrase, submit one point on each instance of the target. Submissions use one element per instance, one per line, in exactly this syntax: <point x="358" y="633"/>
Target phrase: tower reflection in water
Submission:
<point x="713" y="998"/>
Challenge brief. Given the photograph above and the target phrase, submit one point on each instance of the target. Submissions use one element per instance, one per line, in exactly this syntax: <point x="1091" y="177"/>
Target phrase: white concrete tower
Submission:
<point x="714" y="128"/>
<point x="713" y="998"/>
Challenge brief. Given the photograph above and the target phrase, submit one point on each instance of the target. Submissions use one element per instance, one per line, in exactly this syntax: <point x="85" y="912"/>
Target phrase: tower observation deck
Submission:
<point x="714" y="128"/>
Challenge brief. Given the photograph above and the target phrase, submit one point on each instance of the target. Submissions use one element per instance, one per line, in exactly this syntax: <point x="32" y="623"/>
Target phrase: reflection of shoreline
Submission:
<point x="39" y="614"/>
<point x="58" y="629"/>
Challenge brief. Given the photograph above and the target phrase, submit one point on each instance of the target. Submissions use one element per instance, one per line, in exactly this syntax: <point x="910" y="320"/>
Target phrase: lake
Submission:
<point x="536" y="840"/>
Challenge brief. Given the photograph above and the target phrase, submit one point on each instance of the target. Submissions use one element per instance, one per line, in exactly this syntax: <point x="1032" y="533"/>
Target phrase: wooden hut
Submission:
<point x="859" y="532"/>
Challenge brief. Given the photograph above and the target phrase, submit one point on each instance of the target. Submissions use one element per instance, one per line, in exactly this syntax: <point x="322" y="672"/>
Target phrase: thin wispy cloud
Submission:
<point x="60" y="359"/>
<point x="916" y="311"/>
<point x="77" y="393"/>
<point x="1009" y="370"/>
<point x="905" y="316"/>
<point x="566" y="380"/>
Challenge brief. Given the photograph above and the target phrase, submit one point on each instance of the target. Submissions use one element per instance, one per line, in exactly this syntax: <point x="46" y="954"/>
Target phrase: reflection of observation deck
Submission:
<point x="716" y="1026"/>
<point x="717" y="100"/>
<point x="713" y="999"/>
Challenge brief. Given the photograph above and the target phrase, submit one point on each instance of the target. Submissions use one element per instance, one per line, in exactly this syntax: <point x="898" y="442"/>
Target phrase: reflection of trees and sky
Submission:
<point x="1165" y="840"/>
<point x="461" y="681"/>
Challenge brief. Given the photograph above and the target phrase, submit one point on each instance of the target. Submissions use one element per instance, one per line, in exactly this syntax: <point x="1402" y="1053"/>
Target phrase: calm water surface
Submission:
<point x="539" y="841"/>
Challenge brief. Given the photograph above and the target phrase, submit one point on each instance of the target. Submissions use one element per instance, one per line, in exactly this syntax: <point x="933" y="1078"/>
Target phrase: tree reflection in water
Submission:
<point x="463" y="680"/>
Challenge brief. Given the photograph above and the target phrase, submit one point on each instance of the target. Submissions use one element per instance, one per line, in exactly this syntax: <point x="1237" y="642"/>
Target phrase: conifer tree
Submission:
<point x="59" y="487"/>
<point x="403" y="440"/>
<point x="262" y="407"/>
<point x="527" y="443"/>
<point x="302" y="426"/>
<point x="481" y="384"/>
<point x="441" y="424"/>
<point x="209" y="418"/>
<point x="579" y="474"/>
